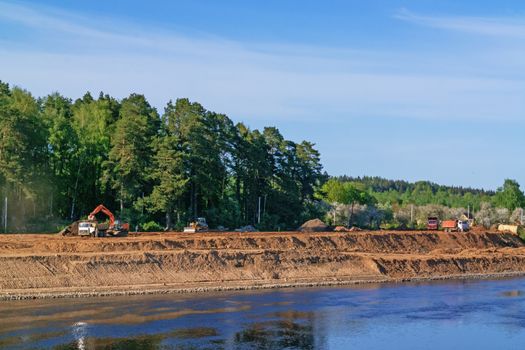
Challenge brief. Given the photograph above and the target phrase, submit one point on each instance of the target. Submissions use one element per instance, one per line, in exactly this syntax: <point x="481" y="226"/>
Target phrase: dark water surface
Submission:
<point x="438" y="315"/>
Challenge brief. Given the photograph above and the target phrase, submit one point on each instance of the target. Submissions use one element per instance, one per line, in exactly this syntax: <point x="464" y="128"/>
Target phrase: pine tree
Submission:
<point x="126" y="170"/>
<point x="168" y="172"/>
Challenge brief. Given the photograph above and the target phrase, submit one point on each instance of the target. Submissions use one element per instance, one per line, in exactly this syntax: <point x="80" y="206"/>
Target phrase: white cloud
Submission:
<point x="72" y="54"/>
<point x="44" y="49"/>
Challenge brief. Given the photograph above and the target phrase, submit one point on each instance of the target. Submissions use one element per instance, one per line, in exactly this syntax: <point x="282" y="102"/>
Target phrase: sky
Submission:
<point x="414" y="90"/>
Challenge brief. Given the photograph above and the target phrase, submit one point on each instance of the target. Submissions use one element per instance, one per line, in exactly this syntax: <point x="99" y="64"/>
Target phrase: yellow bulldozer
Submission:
<point x="199" y="225"/>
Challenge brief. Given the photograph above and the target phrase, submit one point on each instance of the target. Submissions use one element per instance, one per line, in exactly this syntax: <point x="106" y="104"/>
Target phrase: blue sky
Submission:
<point x="412" y="90"/>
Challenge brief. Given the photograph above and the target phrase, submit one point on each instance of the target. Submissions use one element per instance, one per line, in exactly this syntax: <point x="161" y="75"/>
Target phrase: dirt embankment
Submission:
<point x="51" y="265"/>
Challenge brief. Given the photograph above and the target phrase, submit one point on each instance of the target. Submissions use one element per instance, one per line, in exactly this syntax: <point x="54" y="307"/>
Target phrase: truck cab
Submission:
<point x="463" y="225"/>
<point x="87" y="228"/>
<point x="432" y="223"/>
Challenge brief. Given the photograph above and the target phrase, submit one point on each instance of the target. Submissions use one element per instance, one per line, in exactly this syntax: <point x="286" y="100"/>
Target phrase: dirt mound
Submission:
<point x="396" y="242"/>
<point x="314" y="225"/>
<point x="70" y="229"/>
<point x="37" y="264"/>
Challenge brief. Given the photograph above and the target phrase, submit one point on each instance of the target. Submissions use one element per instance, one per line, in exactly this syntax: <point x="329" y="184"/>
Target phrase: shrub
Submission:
<point x="151" y="226"/>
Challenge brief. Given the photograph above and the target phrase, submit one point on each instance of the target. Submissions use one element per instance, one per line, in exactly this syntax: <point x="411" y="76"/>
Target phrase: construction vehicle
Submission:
<point x="91" y="227"/>
<point x="455" y="225"/>
<point x="199" y="225"/>
<point x="449" y="225"/>
<point x="432" y="223"/>
<point x="463" y="225"/>
<point x="87" y="228"/>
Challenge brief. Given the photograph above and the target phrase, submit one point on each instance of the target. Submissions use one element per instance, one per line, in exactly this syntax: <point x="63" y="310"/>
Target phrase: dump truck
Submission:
<point x="449" y="225"/>
<point x="455" y="225"/>
<point x="432" y="223"/>
<point x="463" y="225"/>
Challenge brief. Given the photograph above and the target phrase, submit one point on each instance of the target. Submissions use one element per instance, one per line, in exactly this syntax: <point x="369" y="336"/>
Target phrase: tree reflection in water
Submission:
<point x="277" y="335"/>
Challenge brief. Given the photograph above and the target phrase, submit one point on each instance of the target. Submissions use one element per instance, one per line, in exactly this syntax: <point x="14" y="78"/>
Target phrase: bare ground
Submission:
<point x="41" y="266"/>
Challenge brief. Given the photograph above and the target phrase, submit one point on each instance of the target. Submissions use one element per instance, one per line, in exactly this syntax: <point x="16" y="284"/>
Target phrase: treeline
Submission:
<point x="423" y="192"/>
<point x="377" y="202"/>
<point x="60" y="158"/>
<point x="379" y="184"/>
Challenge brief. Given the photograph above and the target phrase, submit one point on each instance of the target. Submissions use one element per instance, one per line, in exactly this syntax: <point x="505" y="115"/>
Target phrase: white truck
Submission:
<point x="463" y="225"/>
<point x="87" y="228"/>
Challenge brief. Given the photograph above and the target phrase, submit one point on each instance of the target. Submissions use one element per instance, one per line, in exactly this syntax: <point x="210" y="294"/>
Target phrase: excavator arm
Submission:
<point x="92" y="227"/>
<point x="103" y="209"/>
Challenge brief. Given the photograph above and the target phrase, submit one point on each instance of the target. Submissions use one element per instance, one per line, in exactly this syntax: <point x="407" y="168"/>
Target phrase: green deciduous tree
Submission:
<point x="335" y="191"/>
<point x="93" y="123"/>
<point x="22" y="145"/>
<point x="22" y="151"/>
<point x="509" y="196"/>
<point x="63" y="151"/>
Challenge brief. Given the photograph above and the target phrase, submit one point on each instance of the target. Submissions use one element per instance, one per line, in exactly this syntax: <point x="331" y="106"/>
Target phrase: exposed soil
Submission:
<point x="36" y="266"/>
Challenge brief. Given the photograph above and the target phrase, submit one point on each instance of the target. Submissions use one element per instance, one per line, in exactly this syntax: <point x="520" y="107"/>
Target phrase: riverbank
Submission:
<point x="51" y="266"/>
<point x="253" y="285"/>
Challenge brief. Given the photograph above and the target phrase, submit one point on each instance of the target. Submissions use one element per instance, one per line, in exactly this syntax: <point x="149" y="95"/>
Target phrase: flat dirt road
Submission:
<point x="45" y="266"/>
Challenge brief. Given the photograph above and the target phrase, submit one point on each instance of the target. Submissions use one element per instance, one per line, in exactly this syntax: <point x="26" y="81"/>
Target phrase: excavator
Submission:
<point x="91" y="226"/>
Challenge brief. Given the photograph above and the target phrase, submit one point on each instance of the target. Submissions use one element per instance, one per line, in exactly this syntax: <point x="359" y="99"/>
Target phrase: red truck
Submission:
<point x="432" y="223"/>
<point x="449" y="225"/>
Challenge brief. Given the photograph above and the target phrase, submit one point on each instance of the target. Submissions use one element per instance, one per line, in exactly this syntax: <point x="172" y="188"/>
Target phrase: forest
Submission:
<point x="377" y="202"/>
<point x="60" y="158"/>
<point x="422" y="192"/>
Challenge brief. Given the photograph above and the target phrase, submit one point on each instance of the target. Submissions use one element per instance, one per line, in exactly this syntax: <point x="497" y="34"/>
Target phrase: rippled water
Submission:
<point x="454" y="315"/>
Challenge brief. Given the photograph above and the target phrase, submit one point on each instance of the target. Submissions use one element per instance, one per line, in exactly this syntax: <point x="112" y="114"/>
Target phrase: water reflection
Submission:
<point x="80" y="333"/>
<point x="277" y="335"/>
<point x="145" y="343"/>
<point x="513" y="293"/>
<point x="264" y="335"/>
<point x="481" y="314"/>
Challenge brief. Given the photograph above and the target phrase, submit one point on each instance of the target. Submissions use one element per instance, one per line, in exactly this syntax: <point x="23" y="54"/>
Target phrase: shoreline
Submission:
<point x="247" y="287"/>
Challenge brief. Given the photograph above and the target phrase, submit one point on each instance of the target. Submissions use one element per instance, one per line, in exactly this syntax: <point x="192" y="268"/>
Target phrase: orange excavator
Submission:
<point x="91" y="227"/>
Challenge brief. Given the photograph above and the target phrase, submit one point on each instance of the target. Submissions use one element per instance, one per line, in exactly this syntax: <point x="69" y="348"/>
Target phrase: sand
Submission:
<point x="50" y="266"/>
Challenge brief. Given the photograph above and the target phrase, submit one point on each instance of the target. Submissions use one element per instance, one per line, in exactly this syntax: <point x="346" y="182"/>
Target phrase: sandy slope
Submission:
<point x="51" y="265"/>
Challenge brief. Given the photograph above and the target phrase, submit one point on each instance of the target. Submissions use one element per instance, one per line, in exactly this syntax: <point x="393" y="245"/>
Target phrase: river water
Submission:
<point x="434" y="315"/>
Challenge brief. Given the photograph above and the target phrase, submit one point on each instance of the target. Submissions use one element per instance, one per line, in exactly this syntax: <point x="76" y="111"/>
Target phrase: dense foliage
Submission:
<point x="403" y="204"/>
<point x="59" y="159"/>
<point x="422" y="192"/>
<point x="347" y="193"/>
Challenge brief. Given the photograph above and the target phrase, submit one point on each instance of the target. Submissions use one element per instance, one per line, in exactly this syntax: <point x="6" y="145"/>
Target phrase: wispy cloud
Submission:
<point x="400" y="95"/>
<point x="513" y="27"/>
<point x="71" y="53"/>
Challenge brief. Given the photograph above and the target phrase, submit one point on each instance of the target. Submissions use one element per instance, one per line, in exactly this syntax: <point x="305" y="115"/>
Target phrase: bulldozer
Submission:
<point x="199" y="225"/>
<point x="91" y="226"/>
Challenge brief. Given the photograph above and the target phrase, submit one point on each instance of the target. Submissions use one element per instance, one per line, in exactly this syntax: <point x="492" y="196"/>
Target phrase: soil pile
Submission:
<point x="52" y="265"/>
<point x="314" y="225"/>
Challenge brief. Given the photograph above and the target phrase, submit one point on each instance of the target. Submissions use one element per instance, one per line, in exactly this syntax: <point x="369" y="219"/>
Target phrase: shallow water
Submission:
<point x="437" y="315"/>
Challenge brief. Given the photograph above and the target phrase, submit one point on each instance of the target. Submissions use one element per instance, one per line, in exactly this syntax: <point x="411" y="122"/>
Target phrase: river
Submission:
<point x="435" y="315"/>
